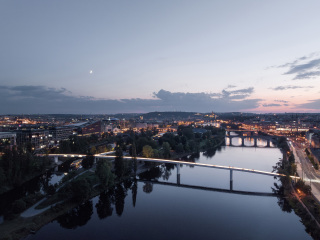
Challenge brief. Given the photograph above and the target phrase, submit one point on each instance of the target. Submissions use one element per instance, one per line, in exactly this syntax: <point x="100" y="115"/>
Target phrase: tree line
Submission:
<point x="18" y="165"/>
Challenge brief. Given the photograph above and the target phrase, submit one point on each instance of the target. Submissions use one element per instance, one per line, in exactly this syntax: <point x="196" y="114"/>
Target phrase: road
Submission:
<point x="305" y="169"/>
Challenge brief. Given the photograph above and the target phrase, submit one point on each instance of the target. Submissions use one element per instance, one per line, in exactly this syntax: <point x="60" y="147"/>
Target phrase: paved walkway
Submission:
<point x="32" y="211"/>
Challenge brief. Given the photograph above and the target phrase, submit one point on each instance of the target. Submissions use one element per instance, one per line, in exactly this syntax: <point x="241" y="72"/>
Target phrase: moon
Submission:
<point x="91" y="72"/>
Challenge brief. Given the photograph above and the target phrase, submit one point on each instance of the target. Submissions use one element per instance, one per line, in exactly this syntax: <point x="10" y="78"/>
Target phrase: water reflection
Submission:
<point x="282" y="201"/>
<point x="152" y="202"/>
<point x="77" y="216"/>
<point x="37" y="184"/>
<point x="120" y="195"/>
<point x="134" y="192"/>
<point x="104" y="205"/>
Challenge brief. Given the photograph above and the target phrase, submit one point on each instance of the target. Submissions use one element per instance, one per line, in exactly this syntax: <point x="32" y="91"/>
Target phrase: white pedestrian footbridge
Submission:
<point x="178" y="163"/>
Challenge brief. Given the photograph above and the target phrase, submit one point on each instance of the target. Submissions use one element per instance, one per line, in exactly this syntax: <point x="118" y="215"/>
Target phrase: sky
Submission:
<point x="103" y="57"/>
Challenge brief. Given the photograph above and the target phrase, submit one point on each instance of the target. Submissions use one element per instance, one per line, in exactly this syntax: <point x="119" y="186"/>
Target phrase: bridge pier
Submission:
<point x="230" y="141"/>
<point x="242" y="141"/>
<point x="255" y="142"/>
<point x="178" y="173"/>
<point x="268" y="143"/>
<point x="231" y="179"/>
<point x="56" y="159"/>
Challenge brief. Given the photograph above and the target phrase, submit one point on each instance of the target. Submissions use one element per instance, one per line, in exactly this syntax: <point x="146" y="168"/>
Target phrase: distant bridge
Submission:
<point x="255" y="137"/>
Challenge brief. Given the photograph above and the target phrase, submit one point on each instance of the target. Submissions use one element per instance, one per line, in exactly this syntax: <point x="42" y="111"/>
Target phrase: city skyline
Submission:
<point x="142" y="56"/>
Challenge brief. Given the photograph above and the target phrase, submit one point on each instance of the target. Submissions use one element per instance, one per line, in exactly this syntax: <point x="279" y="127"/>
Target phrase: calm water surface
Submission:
<point x="143" y="210"/>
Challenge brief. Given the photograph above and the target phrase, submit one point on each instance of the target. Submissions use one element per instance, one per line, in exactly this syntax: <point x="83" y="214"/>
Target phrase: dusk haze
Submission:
<point x="142" y="56"/>
<point x="159" y="119"/>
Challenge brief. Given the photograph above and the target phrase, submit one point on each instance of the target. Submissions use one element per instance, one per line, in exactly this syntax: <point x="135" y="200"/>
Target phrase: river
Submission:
<point x="145" y="209"/>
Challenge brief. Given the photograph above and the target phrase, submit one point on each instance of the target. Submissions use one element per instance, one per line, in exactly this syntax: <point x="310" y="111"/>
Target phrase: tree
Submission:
<point x="80" y="189"/>
<point x="64" y="147"/>
<point x="166" y="150"/>
<point x="188" y="132"/>
<point x="102" y="149"/>
<point x="156" y="153"/>
<point x="104" y="173"/>
<point x="118" y="163"/>
<point x="179" y="148"/>
<point x="88" y="161"/>
<point x="134" y="158"/>
<point x="192" y="145"/>
<point x="3" y="178"/>
<point x="93" y="138"/>
<point x="147" y="151"/>
<point x="51" y="190"/>
<point x="109" y="147"/>
<point x="93" y="150"/>
<point x="291" y="158"/>
<point x="18" y="206"/>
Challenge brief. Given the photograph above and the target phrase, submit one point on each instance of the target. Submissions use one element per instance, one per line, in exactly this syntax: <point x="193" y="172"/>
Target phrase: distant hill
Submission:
<point x="171" y="115"/>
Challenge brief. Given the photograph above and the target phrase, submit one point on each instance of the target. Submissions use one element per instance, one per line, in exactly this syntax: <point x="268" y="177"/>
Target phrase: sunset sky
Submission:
<point x="141" y="56"/>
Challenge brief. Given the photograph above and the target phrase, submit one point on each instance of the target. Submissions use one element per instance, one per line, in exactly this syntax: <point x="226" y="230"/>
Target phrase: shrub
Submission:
<point x="18" y="206"/>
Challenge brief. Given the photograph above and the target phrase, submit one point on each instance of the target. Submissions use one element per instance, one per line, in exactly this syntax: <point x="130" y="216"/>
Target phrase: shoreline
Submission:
<point x="20" y="227"/>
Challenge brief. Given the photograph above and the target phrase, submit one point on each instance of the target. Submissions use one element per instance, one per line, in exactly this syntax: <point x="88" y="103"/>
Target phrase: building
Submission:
<point x="57" y="134"/>
<point x="110" y="125"/>
<point x="90" y="128"/>
<point x="7" y="139"/>
<point x="38" y="138"/>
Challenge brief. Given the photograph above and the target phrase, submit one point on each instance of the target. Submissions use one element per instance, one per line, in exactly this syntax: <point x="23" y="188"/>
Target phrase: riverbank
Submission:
<point x="20" y="227"/>
<point x="298" y="195"/>
<point x="306" y="207"/>
<point x="4" y="189"/>
<point x="184" y="155"/>
<point x="51" y="208"/>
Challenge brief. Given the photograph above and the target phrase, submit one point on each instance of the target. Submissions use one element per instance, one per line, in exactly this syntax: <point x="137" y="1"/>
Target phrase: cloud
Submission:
<point x="304" y="67"/>
<point x="230" y="86"/>
<point x="307" y="75"/>
<point x="236" y="94"/>
<point x="271" y="105"/>
<point x="282" y="101"/>
<point x="281" y="88"/>
<point x="312" y="104"/>
<point x="41" y="99"/>
<point x="297" y="68"/>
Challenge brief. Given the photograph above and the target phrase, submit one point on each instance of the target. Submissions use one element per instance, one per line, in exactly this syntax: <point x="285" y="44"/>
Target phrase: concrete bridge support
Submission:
<point x="255" y="142"/>
<point x="242" y="141"/>
<point x="268" y="143"/>
<point x="56" y="159"/>
<point x="178" y="173"/>
<point x="230" y="141"/>
<point x="231" y="179"/>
